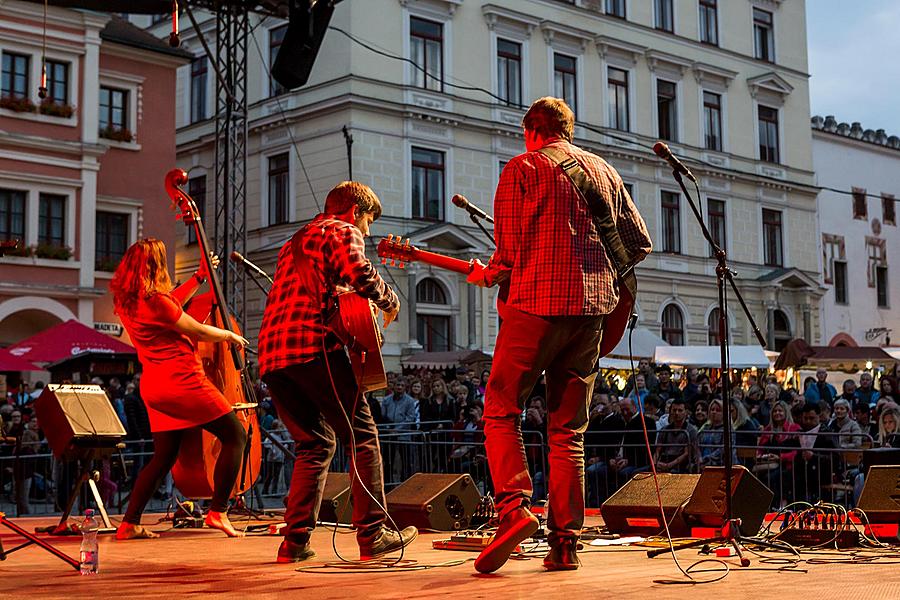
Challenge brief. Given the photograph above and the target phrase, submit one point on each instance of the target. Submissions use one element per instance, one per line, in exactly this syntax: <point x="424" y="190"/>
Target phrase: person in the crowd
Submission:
<point x="712" y="437"/>
<point x="700" y="414"/>
<point x="753" y="400"/>
<point x="276" y="435"/>
<point x="310" y="376"/>
<point x="482" y="386"/>
<point x="746" y="431"/>
<point x="888" y="388"/>
<point x="849" y="391"/>
<point x="674" y="443"/>
<point x="777" y="450"/>
<point x="561" y="285"/>
<point x="644" y="368"/>
<point x="772" y="395"/>
<point x="692" y="386"/>
<point x="862" y="414"/>
<point x="603" y="439"/>
<point x="843" y="424"/>
<point x="175" y="389"/>
<point x="866" y="392"/>
<point x="665" y="387"/>
<point x="139" y="434"/>
<point x="813" y="464"/>
<point x="889" y="427"/>
<point x="633" y="455"/>
<point x="820" y="388"/>
<point x="640" y="390"/>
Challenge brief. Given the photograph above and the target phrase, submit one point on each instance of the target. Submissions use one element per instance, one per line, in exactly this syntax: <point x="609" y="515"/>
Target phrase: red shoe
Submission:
<point x="515" y="527"/>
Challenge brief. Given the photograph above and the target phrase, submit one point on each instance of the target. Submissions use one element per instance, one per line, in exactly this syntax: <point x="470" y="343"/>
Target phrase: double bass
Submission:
<point x="225" y="366"/>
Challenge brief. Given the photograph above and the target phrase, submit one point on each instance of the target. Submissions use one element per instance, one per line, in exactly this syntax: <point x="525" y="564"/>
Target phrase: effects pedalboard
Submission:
<point x="814" y="530"/>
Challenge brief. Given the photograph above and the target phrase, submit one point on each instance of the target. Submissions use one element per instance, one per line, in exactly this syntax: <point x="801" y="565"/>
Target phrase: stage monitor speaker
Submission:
<point x="440" y="502"/>
<point x="750" y="500"/>
<point x="297" y="53"/>
<point x="634" y="508"/>
<point x="880" y="498"/>
<point x="76" y="418"/>
<point x="336" y="503"/>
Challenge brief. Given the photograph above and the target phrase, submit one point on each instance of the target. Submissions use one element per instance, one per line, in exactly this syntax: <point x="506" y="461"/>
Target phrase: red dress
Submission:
<point x="173" y="385"/>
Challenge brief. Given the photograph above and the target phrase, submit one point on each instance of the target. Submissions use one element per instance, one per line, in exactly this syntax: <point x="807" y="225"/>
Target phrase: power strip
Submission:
<point x="830" y="538"/>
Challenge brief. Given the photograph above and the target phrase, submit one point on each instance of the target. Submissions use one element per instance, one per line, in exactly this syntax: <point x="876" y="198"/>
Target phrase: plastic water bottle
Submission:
<point x="90" y="554"/>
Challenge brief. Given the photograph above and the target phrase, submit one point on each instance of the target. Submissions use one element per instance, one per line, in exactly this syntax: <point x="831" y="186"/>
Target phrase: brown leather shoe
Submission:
<point x="562" y="556"/>
<point x="516" y="526"/>
<point x="290" y="551"/>
<point x="388" y="541"/>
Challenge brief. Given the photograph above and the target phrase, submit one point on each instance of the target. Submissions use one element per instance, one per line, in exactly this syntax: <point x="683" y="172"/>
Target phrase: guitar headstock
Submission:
<point x="392" y="248"/>
<point x="181" y="202"/>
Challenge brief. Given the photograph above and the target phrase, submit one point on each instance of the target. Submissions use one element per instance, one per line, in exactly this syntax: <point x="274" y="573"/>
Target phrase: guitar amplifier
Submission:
<point x="77" y="418"/>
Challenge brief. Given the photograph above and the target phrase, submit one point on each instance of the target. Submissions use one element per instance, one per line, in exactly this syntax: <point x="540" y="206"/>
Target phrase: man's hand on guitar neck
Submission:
<point x="478" y="276"/>
<point x="390" y="316"/>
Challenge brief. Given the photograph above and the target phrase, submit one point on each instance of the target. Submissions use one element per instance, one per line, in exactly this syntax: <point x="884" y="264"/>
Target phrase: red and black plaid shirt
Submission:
<point x="547" y="242"/>
<point x="293" y="329"/>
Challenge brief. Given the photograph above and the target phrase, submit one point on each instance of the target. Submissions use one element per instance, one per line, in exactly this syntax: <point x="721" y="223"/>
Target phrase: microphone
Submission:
<point x="460" y="201"/>
<point x="662" y="151"/>
<point x="239" y="258"/>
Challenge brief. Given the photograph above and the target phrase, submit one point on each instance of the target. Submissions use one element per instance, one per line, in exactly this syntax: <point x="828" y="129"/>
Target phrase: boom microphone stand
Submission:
<point x="730" y="532"/>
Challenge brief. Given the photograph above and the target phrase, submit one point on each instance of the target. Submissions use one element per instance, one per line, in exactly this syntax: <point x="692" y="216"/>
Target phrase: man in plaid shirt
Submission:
<point x="309" y="373"/>
<point x="561" y="284"/>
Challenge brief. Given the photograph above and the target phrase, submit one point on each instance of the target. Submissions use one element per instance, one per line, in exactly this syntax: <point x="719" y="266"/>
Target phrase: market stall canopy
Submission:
<point x="741" y="357"/>
<point x="643" y="344"/>
<point x="617" y="364"/>
<point x="12" y="363"/>
<point x="66" y="340"/>
<point x="839" y="358"/>
<point x="444" y="360"/>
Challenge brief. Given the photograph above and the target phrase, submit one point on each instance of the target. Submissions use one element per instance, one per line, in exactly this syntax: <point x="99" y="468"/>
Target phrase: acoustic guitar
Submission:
<point x="392" y="248"/>
<point x="353" y="320"/>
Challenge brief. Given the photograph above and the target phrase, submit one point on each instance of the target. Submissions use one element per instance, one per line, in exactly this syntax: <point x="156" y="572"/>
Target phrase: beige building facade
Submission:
<point x="724" y="83"/>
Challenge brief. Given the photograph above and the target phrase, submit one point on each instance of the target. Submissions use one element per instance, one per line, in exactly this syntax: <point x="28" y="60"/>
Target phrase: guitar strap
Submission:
<point x="621" y="260"/>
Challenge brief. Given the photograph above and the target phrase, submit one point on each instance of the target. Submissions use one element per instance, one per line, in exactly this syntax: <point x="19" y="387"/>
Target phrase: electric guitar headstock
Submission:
<point x="393" y="249"/>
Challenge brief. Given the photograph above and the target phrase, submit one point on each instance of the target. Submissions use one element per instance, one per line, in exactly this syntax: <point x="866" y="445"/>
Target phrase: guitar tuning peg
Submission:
<point x="390" y="237"/>
<point x="401" y="265"/>
<point x="393" y="263"/>
<point x="407" y="242"/>
<point x="384" y="261"/>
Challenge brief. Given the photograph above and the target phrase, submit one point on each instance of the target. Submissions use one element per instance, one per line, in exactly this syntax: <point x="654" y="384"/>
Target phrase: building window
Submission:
<point x="716" y="220"/>
<point x="279" y="186"/>
<point x="276" y="38"/>
<point x="112" y="240"/>
<point x="15" y="75"/>
<point x="712" y="121"/>
<point x="432" y="330"/>
<point x="427" y="47"/>
<point x="840" y="281"/>
<point x="673" y="326"/>
<point x="12" y="215"/>
<point x="564" y="79"/>
<point x="763" y="35"/>
<point x="618" y="98"/>
<point x="666" y="110"/>
<point x="197" y="190"/>
<point x="509" y="72"/>
<point x="52" y="220"/>
<point x="833" y="249"/>
<point x="616" y="8"/>
<point x="709" y="22"/>
<point x="671" y="223"/>
<point x="713" y="326"/>
<point x="876" y="249"/>
<point x="663" y="15"/>
<point x="773" y="250"/>
<point x="888" y="216"/>
<point x="199" y="70"/>
<point x="860" y="204"/>
<point x="881" y="286"/>
<point x="113" y="109"/>
<point x="768" y="134"/>
<point x="427" y="184"/>
<point x="58" y="82"/>
<point x="782" y="328"/>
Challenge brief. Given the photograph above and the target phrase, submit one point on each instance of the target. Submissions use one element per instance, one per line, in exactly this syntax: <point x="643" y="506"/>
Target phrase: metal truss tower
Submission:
<point x="230" y="195"/>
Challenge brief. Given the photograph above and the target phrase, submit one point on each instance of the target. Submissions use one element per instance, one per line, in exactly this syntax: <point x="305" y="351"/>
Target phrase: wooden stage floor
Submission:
<point x="188" y="563"/>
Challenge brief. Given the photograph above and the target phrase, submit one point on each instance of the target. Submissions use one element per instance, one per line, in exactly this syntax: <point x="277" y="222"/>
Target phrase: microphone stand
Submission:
<point x="730" y="532"/>
<point x="481" y="226"/>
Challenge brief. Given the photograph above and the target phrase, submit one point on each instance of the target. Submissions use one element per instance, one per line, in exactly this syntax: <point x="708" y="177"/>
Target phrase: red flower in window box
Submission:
<point x="56" y="109"/>
<point x="17" y="103"/>
<point x="117" y="134"/>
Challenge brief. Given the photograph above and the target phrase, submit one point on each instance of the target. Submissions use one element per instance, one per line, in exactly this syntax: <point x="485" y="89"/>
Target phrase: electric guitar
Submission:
<point x="392" y="248"/>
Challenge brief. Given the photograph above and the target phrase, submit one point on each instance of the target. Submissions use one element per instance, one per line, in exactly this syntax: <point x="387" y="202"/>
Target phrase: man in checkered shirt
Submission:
<point x="561" y="284"/>
<point x="310" y="377"/>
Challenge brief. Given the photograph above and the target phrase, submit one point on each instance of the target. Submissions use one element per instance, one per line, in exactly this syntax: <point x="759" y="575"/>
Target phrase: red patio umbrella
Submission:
<point x="11" y="362"/>
<point x="66" y="340"/>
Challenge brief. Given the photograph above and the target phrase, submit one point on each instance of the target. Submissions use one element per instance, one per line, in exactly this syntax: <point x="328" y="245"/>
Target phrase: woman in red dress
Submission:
<point x="173" y="385"/>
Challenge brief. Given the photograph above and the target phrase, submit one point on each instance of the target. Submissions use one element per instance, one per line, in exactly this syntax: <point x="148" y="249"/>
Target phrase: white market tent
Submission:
<point x="741" y="357"/>
<point x="643" y="344"/>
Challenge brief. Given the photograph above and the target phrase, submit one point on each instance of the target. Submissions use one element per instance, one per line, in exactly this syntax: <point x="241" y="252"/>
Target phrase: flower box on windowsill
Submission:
<point x="117" y="134"/>
<point x="53" y="252"/>
<point x="107" y="265"/>
<point x="20" y="250"/>
<point x="55" y="109"/>
<point x="16" y="104"/>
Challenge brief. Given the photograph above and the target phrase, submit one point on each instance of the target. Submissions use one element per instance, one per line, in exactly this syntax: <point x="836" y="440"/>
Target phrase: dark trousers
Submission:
<point x="567" y="348"/>
<point x="314" y="416"/>
<point x="166" y="444"/>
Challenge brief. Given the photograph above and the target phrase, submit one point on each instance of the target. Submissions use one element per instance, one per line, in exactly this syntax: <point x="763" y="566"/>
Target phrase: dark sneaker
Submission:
<point x="388" y="541"/>
<point x="562" y="556"/>
<point x="515" y="527"/>
<point x="290" y="552"/>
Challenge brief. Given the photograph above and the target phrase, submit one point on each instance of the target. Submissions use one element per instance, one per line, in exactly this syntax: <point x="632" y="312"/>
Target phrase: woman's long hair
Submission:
<point x="142" y="272"/>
